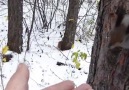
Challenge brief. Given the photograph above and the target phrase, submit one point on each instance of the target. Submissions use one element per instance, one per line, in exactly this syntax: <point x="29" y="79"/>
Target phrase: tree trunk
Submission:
<point x="71" y="22"/>
<point x="15" y="29"/>
<point x="109" y="68"/>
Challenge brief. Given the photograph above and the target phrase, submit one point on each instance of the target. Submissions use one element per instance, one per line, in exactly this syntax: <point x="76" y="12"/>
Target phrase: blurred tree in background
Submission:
<point x="71" y="25"/>
<point x="15" y="29"/>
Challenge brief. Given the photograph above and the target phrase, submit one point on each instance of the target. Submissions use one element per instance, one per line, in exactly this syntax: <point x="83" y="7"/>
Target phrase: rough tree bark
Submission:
<point x="109" y="69"/>
<point x="15" y="29"/>
<point x="71" y="22"/>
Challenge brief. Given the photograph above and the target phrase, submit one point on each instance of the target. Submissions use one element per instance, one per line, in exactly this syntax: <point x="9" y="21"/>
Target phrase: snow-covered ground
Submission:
<point x="43" y="57"/>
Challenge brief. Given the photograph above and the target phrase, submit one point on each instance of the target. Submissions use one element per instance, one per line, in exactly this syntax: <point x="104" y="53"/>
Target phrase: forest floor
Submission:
<point x="42" y="58"/>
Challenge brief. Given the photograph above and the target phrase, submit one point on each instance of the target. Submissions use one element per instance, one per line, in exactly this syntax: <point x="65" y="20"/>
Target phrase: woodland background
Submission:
<point x="30" y="32"/>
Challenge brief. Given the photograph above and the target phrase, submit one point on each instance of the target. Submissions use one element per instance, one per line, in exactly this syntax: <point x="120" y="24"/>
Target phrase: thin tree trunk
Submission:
<point x="15" y="29"/>
<point x="71" y="22"/>
<point x="31" y="28"/>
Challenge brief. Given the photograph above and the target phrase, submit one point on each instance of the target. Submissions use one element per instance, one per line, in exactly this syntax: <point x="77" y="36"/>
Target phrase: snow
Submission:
<point x="43" y="56"/>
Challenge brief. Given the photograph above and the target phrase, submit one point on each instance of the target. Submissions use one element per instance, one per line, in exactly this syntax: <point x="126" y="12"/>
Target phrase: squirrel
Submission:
<point x="119" y="36"/>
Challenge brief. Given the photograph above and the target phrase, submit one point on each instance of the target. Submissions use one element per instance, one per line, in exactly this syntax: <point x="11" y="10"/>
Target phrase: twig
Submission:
<point x="62" y="53"/>
<point x="31" y="28"/>
<point x="55" y="74"/>
<point x="1" y="73"/>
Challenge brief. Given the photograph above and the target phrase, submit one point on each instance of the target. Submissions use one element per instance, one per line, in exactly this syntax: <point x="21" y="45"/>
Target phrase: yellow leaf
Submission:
<point x="4" y="60"/>
<point x="77" y="65"/>
<point x="5" y="49"/>
<point x="71" y="20"/>
<point x="73" y="46"/>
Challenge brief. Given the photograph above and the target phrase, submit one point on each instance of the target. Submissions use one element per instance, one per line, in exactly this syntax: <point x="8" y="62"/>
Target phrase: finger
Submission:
<point x="84" y="87"/>
<point x="65" y="85"/>
<point x="19" y="80"/>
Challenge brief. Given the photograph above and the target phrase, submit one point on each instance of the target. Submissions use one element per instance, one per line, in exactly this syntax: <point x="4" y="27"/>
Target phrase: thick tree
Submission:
<point x="15" y="29"/>
<point x="109" y="68"/>
<point x="71" y="22"/>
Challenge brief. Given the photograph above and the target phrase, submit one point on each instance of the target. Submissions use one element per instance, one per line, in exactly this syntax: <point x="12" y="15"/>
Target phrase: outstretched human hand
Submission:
<point x="19" y="81"/>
